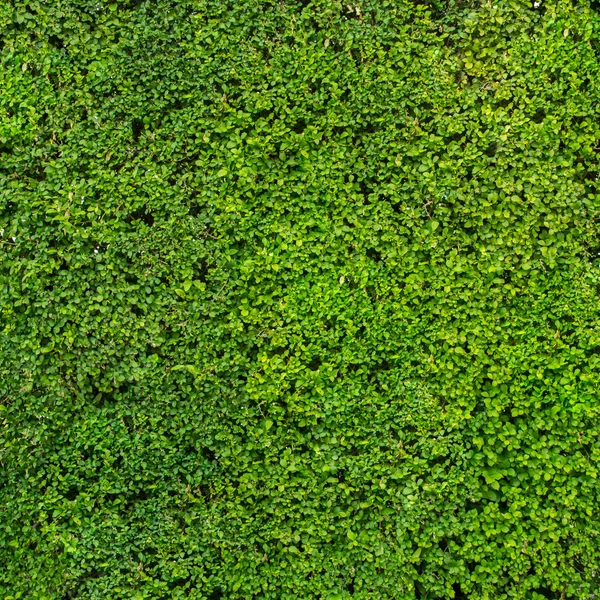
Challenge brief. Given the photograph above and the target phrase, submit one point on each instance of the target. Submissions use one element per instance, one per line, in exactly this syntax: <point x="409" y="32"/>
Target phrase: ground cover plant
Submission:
<point x="299" y="299"/>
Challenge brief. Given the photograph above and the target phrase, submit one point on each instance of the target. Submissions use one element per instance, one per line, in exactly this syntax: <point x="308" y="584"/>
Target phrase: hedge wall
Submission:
<point x="299" y="299"/>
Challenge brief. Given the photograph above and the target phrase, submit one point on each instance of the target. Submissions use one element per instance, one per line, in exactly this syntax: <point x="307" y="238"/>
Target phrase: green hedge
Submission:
<point x="299" y="299"/>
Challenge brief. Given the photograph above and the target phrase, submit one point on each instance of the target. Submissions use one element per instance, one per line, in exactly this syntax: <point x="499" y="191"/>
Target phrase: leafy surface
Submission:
<point x="299" y="299"/>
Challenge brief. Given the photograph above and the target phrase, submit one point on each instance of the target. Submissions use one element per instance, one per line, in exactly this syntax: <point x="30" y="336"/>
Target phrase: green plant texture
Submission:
<point x="299" y="299"/>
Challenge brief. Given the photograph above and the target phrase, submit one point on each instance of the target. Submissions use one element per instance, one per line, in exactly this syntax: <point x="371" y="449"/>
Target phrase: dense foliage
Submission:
<point x="299" y="299"/>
